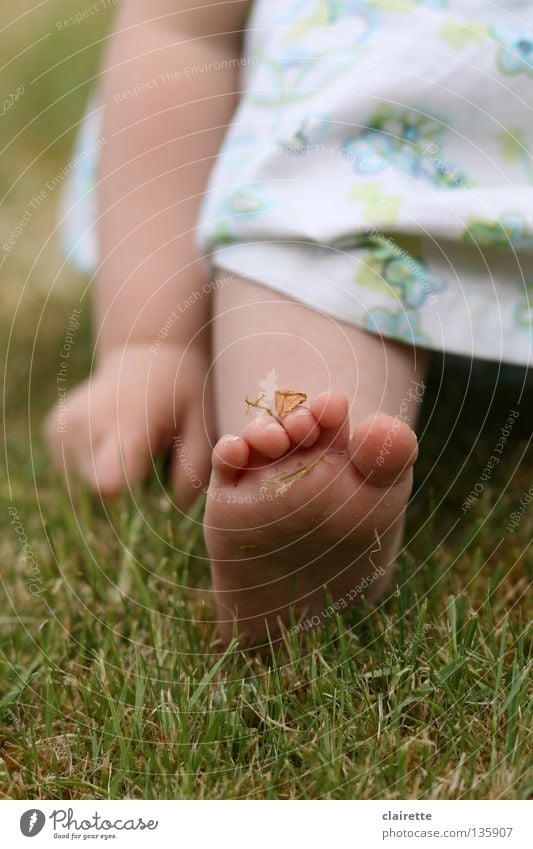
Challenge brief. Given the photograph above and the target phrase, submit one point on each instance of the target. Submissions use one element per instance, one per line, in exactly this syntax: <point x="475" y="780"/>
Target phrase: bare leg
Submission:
<point x="274" y="546"/>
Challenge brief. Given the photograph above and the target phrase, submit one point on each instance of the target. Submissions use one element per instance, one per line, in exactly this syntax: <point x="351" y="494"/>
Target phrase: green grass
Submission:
<point x="105" y="694"/>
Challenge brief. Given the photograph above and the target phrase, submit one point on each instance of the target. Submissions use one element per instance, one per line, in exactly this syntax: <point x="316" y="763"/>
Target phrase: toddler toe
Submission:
<point x="330" y="410"/>
<point x="230" y="456"/>
<point x="301" y="426"/>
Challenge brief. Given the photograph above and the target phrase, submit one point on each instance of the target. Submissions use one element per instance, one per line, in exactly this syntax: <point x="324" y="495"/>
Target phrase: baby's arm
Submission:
<point x="159" y="147"/>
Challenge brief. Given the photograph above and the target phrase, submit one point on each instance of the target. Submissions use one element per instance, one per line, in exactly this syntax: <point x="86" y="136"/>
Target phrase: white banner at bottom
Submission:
<point x="264" y="824"/>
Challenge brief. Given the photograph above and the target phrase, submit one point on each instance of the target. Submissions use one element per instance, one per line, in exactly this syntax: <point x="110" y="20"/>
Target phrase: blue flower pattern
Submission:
<point x="307" y="53"/>
<point x="412" y="281"/>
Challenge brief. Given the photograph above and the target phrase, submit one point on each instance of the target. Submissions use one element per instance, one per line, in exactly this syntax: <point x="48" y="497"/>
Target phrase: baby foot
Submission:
<point x="299" y="514"/>
<point x="136" y="403"/>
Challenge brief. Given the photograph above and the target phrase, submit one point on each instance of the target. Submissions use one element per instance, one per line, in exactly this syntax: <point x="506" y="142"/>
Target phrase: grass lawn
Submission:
<point x="111" y="682"/>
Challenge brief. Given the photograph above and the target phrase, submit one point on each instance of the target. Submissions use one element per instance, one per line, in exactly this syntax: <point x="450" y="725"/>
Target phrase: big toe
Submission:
<point x="384" y="448"/>
<point x="267" y="436"/>
<point x="114" y="466"/>
<point x="230" y="456"/>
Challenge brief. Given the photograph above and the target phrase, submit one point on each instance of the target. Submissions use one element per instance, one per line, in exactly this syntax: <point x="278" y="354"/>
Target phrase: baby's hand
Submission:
<point x="136" y="403"/>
